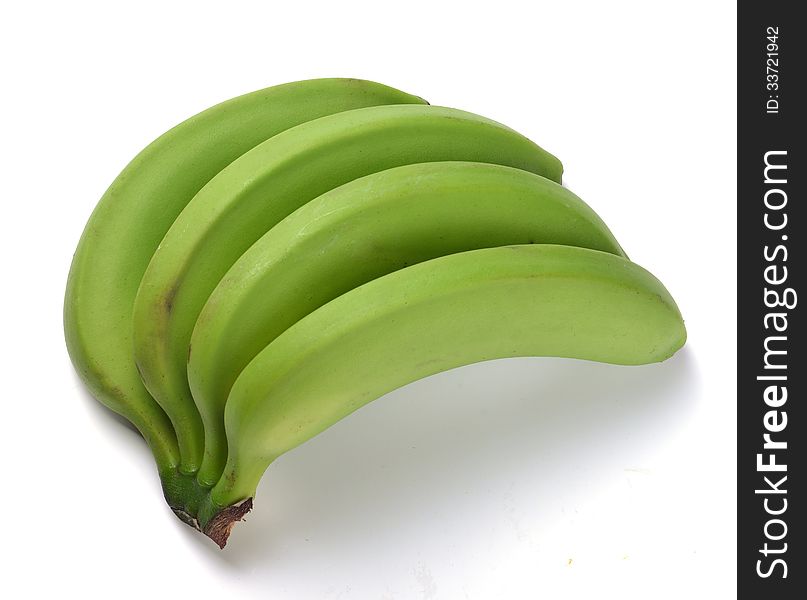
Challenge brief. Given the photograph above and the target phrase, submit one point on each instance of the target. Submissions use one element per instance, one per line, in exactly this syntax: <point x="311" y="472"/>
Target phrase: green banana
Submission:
<point x="135" y="213"/>
<point x="524" y="300"/>
<point x="358" y="232"/>
<point x="262" y="187"/>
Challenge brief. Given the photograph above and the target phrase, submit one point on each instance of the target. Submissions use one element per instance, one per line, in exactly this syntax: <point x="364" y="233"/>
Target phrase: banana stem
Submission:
<point x="193" y="504"/>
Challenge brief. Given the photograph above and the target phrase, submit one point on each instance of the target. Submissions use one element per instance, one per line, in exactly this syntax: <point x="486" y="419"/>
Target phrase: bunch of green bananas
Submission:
<point x="279" y="260"/>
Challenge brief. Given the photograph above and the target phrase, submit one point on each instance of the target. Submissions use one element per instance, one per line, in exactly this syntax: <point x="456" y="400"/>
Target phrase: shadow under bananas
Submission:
<point x="434" y="446"/>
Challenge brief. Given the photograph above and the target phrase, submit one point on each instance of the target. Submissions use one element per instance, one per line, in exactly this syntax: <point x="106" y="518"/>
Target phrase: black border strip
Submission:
<point x="771" y="332"/>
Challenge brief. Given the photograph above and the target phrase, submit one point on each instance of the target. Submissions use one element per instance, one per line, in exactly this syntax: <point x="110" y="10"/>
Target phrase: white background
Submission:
<point x="516" y="479"/>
